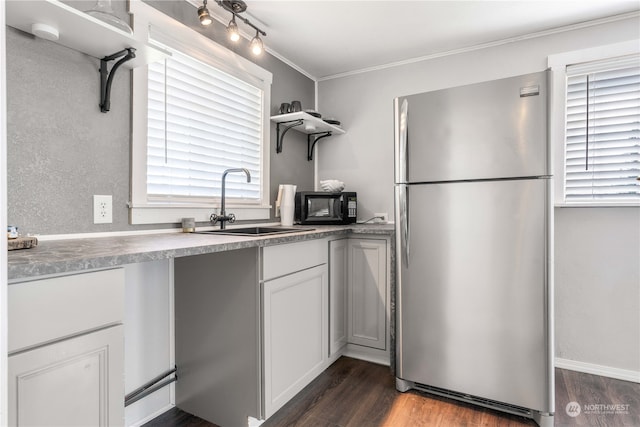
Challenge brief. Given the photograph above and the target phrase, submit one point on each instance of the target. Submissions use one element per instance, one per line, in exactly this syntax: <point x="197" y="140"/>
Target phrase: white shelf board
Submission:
<point x="319" y="124"/>
<point x="80" y="31"/>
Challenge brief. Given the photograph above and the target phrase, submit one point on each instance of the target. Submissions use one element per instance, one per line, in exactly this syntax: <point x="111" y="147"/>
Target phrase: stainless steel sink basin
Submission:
<point x="254" y="231"/>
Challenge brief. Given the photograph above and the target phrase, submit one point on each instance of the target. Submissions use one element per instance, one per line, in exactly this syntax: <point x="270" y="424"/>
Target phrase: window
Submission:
<point x="201" y="121"/>
<point x="196" y="113"/>
<point x="602" y="135"/>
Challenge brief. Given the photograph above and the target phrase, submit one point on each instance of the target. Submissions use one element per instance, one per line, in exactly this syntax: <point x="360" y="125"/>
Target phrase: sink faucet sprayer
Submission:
<point x="222" y="218"/>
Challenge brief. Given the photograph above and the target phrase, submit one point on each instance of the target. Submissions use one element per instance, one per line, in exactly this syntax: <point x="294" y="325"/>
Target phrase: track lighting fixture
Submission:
<point x="232" y="30"/>
<point x="203" y="14"/>
<point x="256" y="45"/>
<point x="235" y="7"/>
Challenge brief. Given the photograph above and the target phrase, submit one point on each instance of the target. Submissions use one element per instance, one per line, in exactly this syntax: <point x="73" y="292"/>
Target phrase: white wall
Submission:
<point x="598" y="287"/>
<point x="363" y="159"/>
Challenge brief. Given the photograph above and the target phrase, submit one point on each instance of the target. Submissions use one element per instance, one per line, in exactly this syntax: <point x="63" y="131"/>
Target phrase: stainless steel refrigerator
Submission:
<point x="474" y="223"/>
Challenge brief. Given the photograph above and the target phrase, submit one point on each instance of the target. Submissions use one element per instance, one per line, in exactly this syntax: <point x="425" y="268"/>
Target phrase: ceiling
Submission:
<point x="330" y="37"/>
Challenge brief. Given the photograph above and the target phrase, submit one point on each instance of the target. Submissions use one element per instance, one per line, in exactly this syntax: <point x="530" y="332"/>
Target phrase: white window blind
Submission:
<point x="201" y="121"/>
<point x="602" y="152"/>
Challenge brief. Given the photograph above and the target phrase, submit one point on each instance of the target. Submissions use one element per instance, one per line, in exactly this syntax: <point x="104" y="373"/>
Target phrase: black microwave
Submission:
<point x="317" y="208"/>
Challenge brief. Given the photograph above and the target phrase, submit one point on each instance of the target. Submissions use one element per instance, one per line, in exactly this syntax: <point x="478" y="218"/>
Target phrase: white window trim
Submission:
<point x="146" y="18"/>
<point x="558" y="64"/>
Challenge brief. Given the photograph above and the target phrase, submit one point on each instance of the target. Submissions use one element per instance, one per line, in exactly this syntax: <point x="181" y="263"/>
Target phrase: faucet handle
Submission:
<point x="232" y="218"/>
<point x="213" y="218"/>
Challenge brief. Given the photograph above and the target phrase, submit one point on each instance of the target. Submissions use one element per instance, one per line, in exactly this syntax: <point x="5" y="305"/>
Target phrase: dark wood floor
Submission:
<point x="356" y="393"/>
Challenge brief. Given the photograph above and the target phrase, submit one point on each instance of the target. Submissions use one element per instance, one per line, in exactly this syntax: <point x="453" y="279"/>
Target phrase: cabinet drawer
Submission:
<point x="49" y="309"/>
<point x="279" y="260"/>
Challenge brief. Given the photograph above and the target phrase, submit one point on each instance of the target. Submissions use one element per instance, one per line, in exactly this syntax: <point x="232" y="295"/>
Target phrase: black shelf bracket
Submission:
<point x="106" y="76"/>
<point x="316" y="137"/>
<point x="286" y="126"/>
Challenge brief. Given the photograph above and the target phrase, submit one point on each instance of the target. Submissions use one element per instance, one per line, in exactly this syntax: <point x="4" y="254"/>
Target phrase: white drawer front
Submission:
<point x="49" y="309"/>
<point x="279" y="260"/>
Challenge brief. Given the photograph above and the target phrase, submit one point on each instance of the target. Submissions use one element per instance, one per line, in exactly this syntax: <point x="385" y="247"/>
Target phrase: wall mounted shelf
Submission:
<point x="81" y="32"/>
<point x="314" y="127"/>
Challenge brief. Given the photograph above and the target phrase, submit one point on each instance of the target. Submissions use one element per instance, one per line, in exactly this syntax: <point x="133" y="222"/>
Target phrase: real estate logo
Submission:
<point x="573" y="409"/>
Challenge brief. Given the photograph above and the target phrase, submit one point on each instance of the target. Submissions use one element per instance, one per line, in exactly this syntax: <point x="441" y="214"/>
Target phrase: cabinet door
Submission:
<point x="295" y="334"/>
<point x="337" y="295"/>
<point x="74" y="382"/>
<point x="367" y="292"/>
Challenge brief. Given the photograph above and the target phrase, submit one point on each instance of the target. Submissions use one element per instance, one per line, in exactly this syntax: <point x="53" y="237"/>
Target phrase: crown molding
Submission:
<point x="481" y="46"/>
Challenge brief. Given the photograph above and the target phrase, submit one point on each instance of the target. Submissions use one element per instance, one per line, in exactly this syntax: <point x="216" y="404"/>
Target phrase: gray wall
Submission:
<point x="62" y="150"/>
<point x="597" y="249"/>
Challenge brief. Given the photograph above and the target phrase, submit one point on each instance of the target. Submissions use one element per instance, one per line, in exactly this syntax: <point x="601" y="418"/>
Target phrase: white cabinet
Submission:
<point x="359" y="294"/>
<point x="313" y="314"/>
<point x="66" y="350"/>
<point x="295" y="319"/>
<point x="367" y="293"/>
<point x="77" y="382"/>
<point x="338" y="278"/>
<point x="294" y="324"/>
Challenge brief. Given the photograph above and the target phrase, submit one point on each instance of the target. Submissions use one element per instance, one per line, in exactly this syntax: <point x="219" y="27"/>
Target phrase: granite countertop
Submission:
<point x="65" y="256"/>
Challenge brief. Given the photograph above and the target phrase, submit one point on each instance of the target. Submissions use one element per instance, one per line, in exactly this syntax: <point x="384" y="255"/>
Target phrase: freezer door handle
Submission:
<point x="403" y="202"/>
<point x="402" y="139"/>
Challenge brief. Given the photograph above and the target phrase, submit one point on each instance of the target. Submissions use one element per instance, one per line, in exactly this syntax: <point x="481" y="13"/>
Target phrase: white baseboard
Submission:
<point x="254" y="422"/>
<point x="373" y="355"/>
<point x="152" y="416"/>
<point x="605" y="371"/>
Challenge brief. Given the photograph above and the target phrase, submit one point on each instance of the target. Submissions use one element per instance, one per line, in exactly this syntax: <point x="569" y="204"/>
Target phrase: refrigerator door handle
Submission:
<point x="403" y="196"/>
<point x="403" y="138"/>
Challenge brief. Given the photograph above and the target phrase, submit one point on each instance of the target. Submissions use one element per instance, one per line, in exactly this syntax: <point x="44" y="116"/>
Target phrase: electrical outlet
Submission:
<point x="382" y="218"/>
<point x="102" y="209"/>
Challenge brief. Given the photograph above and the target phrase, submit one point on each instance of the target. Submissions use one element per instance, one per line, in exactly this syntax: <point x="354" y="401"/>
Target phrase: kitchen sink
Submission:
<point x="254" y="231"/>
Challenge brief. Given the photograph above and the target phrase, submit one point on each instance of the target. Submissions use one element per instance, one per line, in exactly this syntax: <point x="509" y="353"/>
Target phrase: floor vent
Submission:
<point x="487" y="403"/>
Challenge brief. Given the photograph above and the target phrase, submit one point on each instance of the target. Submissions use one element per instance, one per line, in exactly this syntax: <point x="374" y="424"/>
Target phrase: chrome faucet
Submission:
<point x="222" y="218"/>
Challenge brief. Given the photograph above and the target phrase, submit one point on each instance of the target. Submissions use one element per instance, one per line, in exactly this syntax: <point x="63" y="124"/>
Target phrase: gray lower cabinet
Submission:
<point x="217" y="340"/>
<point x="66" y="350"/>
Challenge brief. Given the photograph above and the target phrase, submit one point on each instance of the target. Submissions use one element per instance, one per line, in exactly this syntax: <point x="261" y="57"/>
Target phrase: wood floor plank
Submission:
<point x="593" y="393"/>
<point x="354" y="393"/>
<point x="178" y="418"/>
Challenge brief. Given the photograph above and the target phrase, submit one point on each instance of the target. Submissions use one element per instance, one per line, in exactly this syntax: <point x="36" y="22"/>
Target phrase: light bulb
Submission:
<point x="232" y="30"/>
<point x="203" y="14"/>
<point x="256" y="45"/>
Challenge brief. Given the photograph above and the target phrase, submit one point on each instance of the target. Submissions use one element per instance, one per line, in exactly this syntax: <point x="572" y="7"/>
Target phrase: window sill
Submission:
<point x="598" y="205"/>
<point x="174" y="214"/>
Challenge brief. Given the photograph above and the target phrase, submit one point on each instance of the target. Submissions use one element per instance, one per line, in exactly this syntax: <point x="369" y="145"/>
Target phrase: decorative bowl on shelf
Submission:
<point x="332" y="121"/>
<point x="332" y="185"/>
